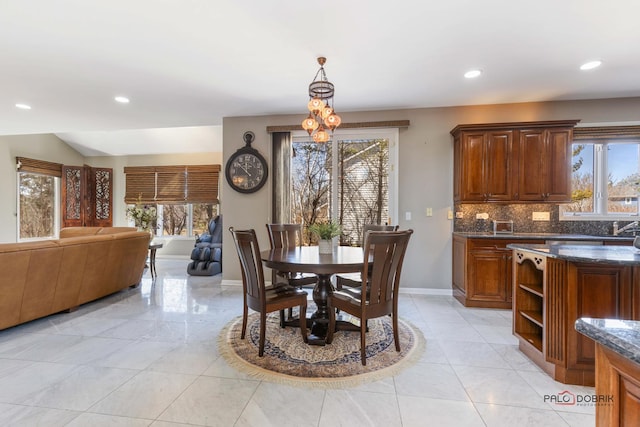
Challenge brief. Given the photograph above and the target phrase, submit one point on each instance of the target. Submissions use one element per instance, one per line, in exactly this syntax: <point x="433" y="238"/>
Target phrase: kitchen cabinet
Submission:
<point x="617" y="370"/>
<point x="486" y="159"/>
<point x="512" y="162"/>
<point x="545" y="165"/>
<point x="482" y="272"/>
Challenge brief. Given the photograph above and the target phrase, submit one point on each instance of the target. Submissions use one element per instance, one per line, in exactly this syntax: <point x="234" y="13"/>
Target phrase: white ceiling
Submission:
<point x="190" y="63"/>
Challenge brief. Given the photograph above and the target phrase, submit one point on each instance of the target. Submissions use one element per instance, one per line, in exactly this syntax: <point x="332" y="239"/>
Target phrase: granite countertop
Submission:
<point x="621" y="336"/>
<point x="625" y="255"/>
<point x="541" y="236"/>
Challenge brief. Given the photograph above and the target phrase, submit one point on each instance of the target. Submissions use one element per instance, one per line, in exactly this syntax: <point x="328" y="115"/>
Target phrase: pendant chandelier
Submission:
<point x="321" y="115"/>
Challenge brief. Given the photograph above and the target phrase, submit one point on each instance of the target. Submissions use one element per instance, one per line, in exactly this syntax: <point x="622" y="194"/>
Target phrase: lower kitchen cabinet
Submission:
<point x="482" y="274"/>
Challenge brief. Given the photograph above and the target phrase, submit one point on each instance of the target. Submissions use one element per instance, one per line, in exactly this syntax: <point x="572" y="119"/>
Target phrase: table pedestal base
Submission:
<point x="319" y="321"/>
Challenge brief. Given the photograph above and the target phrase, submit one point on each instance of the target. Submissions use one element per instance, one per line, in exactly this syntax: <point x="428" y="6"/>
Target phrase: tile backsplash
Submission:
<point x="521" y="215"/>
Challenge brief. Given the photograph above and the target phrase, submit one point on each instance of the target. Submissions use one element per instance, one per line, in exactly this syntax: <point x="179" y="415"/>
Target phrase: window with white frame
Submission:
<point x="185" y="197"/>
<point x="38" y="198"/>
<point x="605" y="180"/>
<point x="38" y="206"/>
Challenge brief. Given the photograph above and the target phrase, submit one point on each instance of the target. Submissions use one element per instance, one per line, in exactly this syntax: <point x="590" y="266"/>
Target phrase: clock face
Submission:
<point x="246" y="171"/>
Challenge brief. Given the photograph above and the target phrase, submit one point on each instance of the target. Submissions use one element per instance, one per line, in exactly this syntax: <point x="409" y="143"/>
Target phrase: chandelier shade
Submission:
<point x="320" y="106"/>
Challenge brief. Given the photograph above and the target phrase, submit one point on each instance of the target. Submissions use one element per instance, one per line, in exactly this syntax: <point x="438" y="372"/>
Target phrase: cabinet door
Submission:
<point x="598" y="291"/>
<point x="487" y="275"/>
<point x="558" y="165"/>
<point x="498" y="173"/>
<point x="472" y="152"/>
<point x="531" y="179"/>
<point x="545" y="165"/>
<point x="485" y="166"/>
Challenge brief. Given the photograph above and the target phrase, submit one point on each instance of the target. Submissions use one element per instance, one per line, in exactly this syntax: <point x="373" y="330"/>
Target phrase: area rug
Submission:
<point x="287" y="359"/>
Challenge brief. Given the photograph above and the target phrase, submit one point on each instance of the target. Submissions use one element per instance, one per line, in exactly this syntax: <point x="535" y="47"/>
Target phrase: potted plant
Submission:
<point x="326" y="231"/>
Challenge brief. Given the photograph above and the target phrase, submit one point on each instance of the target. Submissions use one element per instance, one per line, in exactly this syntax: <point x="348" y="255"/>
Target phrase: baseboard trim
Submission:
<point x="426" y="291"/>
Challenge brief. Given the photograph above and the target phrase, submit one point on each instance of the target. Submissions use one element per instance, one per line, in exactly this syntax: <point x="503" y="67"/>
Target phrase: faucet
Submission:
<point x="632" y="226"/>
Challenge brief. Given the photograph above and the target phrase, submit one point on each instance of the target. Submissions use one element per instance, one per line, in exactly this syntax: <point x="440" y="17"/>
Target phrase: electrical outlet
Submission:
<point x="483" y="215"/>
<point x="540" y="216"/>
<point x="407" y="216"/>
<point x="459" y="214"/>
<point x="449" y="214"/>
<point x="429" y="212"/>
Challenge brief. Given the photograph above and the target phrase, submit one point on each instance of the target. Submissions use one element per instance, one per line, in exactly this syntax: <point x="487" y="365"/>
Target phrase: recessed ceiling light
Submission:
<point x="23" y="106"/>
<point x="591" y="65"/>
<point x="122" y="99"/>
<point x="472" y="74"/>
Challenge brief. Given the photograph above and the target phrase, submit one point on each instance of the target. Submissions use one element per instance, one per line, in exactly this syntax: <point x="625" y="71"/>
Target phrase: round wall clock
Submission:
<point x="246" y="169"/>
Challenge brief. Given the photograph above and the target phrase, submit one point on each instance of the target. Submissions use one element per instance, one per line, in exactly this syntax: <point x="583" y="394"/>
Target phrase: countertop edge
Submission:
<point x="599" y="254"/>
<point x="628" y="347"/>
<point x="541" y="236"/>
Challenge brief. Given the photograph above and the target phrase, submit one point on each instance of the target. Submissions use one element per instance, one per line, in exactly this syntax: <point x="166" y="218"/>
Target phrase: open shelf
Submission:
<point x="529" y="304"/>
<point x="534" y="316"/>
<point x="533" y="339"/>
<point x="533" y="288"/>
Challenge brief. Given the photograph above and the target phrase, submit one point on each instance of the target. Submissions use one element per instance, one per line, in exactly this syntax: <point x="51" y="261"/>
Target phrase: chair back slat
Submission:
<point x="385" y="250"/>
<point x="250" y="262"/>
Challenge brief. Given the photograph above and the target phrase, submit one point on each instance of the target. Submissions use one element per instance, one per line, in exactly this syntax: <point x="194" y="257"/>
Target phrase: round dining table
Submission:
<point x="307" y="259"/>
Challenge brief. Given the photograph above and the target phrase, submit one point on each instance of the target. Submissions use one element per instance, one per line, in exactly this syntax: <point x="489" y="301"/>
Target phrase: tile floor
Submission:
<point x="148" y="357"/>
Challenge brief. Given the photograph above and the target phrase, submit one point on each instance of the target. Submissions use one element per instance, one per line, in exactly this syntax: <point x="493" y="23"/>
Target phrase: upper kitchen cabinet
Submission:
<point x="484" y="161"/>
<point x="545" y="164"/>
<point x="511" y="162"/>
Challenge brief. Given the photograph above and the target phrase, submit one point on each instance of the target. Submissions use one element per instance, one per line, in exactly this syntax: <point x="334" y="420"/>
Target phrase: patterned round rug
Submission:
<point x="287" y="359"/>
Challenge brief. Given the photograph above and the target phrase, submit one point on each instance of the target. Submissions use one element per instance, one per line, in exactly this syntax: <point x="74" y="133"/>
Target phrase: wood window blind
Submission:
<point x="202" y="183"/>
<point x="172" y="184"/>
<point x="26" y="164"/>
<point x="140" y="184"/>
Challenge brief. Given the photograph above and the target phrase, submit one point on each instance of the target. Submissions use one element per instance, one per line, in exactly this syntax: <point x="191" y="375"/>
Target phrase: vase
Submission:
<point x="325" y="246"/>
<point x="147" y="230"/>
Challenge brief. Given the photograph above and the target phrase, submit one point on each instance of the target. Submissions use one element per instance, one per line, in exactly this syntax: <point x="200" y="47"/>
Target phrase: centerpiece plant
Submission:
<point x="325" y="231"/>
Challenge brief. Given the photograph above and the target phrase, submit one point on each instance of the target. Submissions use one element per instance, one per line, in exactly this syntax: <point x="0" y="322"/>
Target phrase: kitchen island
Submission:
<point x="554" y="285"/>
<point x="617" y="369"/>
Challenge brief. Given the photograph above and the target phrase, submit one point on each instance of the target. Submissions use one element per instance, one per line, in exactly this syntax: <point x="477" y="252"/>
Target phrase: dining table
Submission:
<point x="308" y="259"/>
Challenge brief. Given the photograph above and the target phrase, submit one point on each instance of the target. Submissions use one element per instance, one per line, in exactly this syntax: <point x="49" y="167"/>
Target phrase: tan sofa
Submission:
<point x="45" y="277"/>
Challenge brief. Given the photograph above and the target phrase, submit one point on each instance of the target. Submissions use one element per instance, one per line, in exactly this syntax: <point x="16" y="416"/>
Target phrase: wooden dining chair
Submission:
<point x="258" y="297"/>
<point x="288" y="236"/>
<point x="354" y="279"/>
<point x="377" y="296"/>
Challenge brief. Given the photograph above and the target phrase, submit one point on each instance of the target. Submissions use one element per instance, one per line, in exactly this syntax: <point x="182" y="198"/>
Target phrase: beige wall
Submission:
<point x="425" y="172"/>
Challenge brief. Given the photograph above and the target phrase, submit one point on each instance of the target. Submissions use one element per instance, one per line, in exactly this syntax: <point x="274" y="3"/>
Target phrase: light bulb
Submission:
<point x="310" y="124"/>
<point x="315" y="105"/>
<point x="333" y="121"/>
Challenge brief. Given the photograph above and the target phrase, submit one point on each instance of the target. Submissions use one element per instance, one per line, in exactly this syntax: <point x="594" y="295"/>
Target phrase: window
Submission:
<point x="38" y="198"/>
<point x="186" y="197"/>
<point x="605" y="180"/>
<point x="185" y="219"/>
<point x="350" y="179"/>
